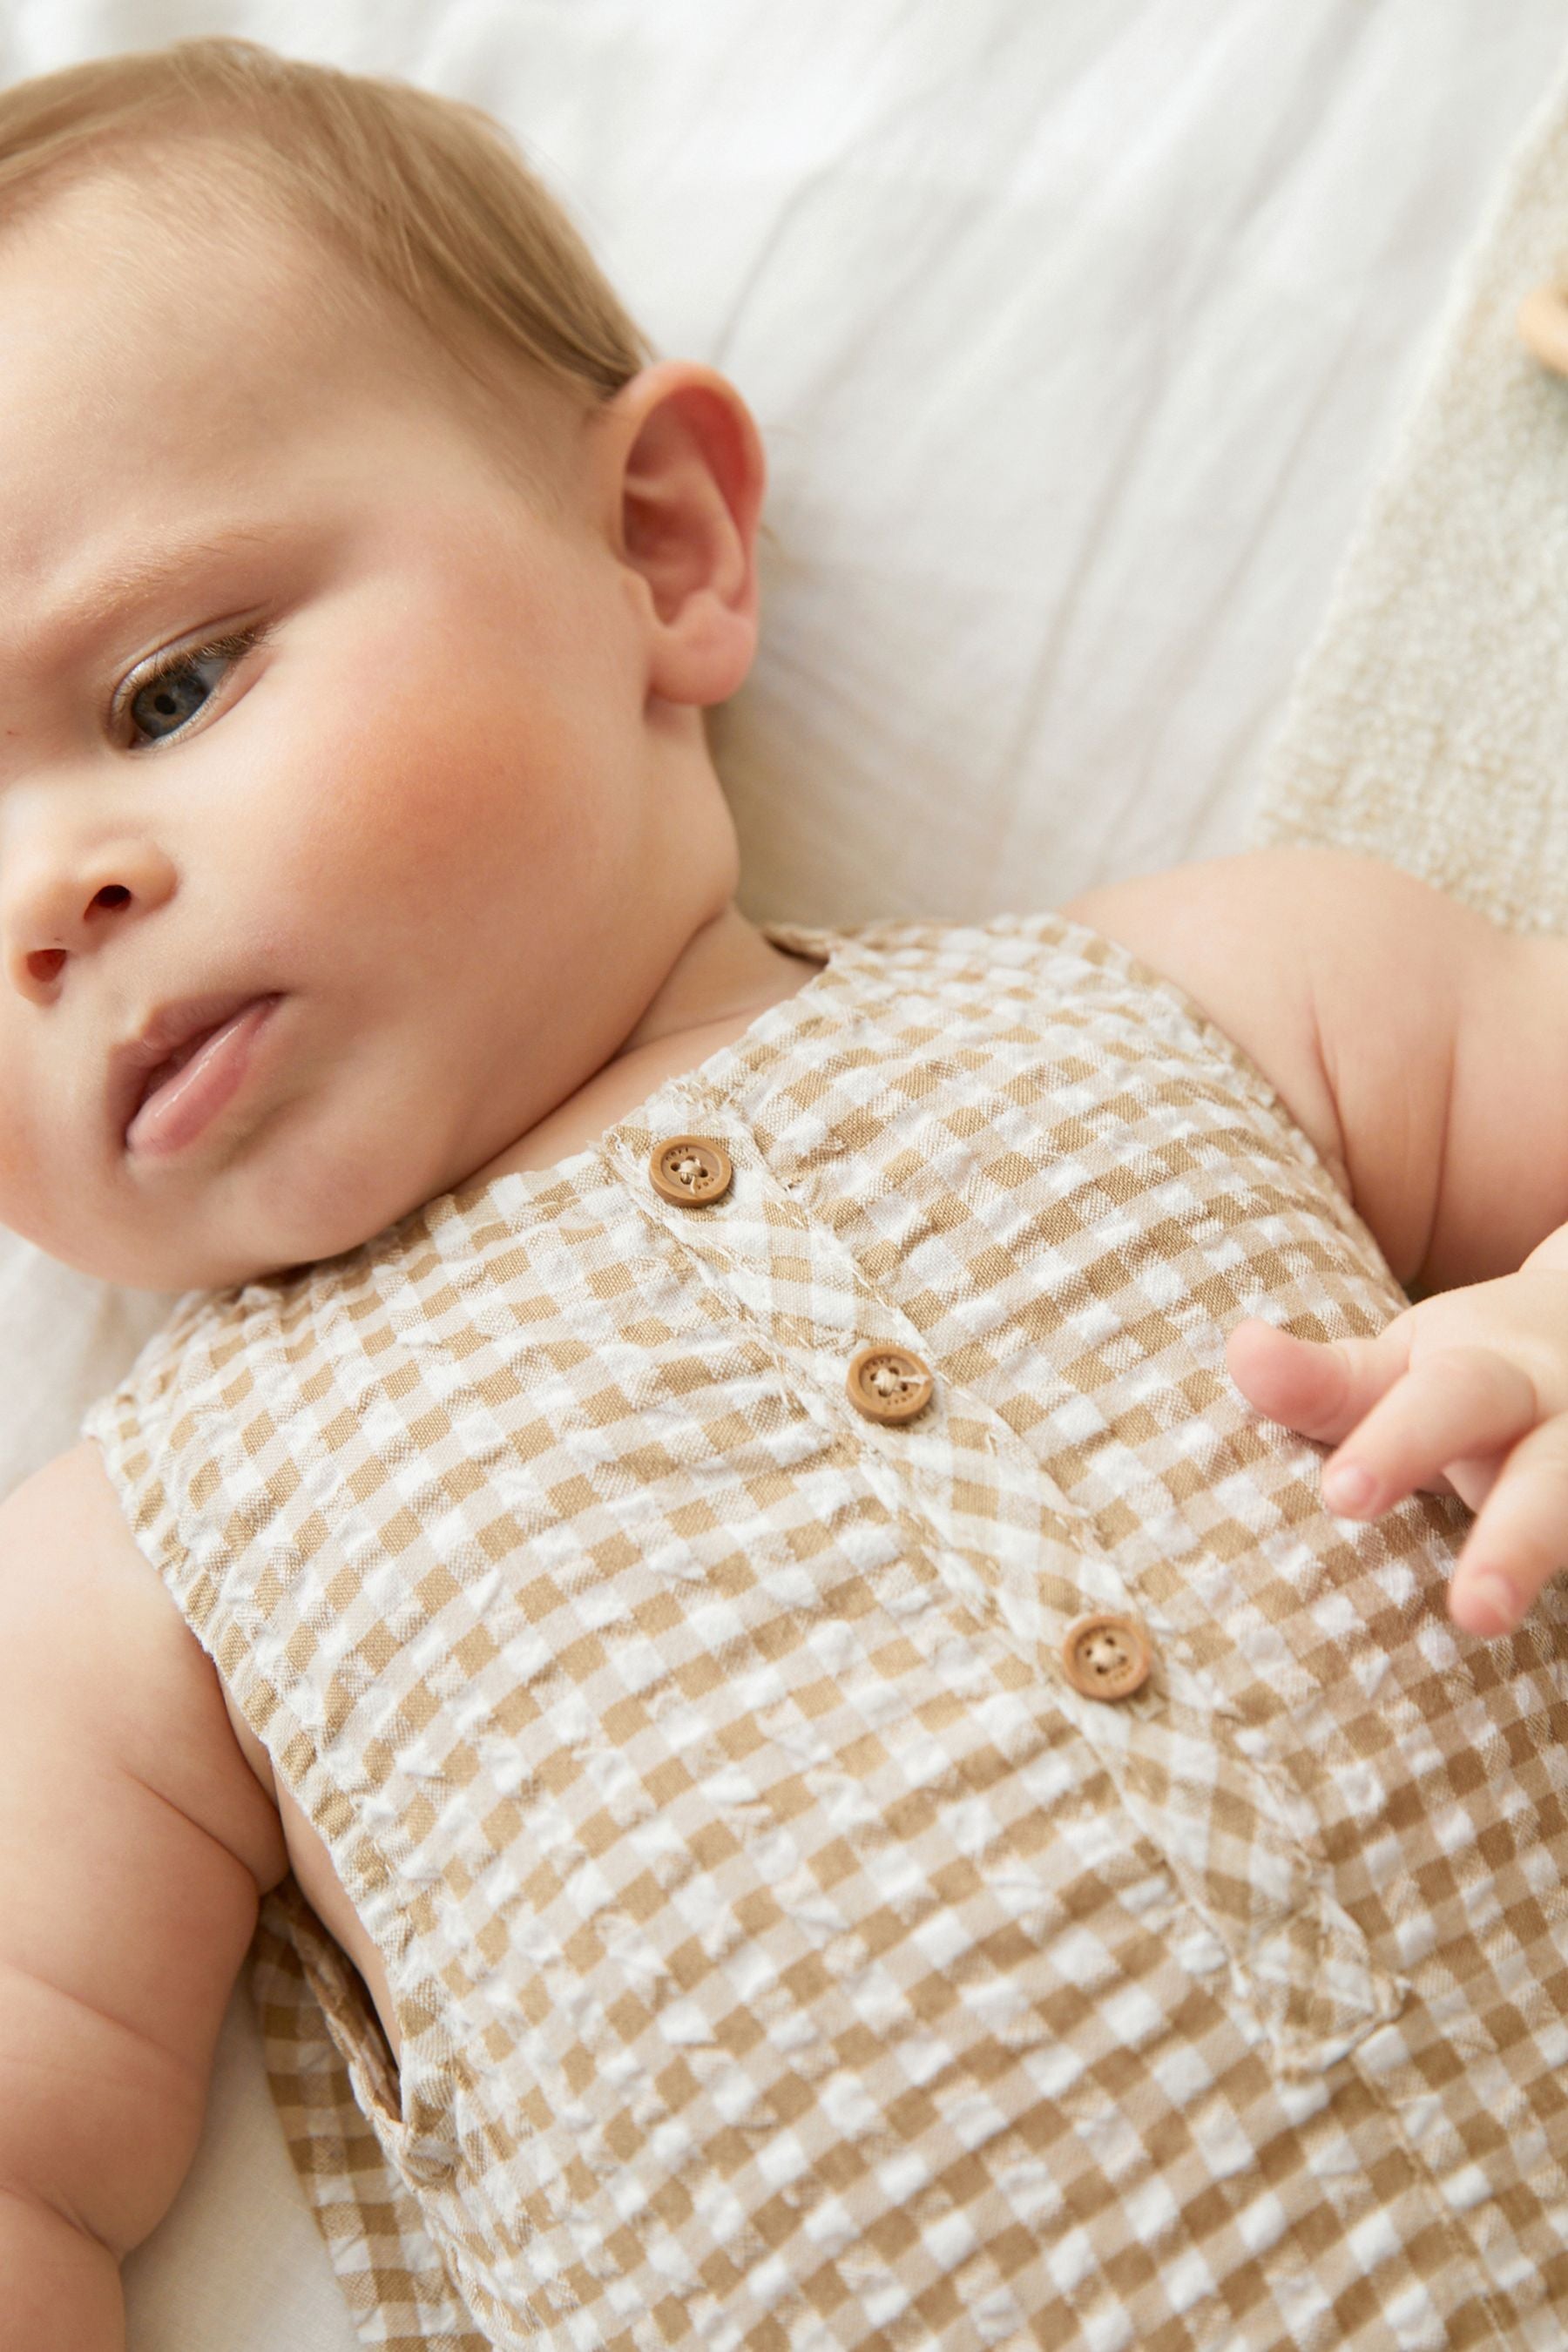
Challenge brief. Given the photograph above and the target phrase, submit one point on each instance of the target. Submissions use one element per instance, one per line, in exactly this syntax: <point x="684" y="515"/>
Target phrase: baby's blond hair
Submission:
<point x="424" y="198"/>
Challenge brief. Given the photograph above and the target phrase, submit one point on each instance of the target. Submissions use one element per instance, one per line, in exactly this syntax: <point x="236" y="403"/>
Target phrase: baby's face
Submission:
<point x="300" y="697"/>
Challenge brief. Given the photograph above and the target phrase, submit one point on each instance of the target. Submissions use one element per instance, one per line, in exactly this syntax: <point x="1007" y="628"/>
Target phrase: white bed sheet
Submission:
<point x="1074" y="329"/>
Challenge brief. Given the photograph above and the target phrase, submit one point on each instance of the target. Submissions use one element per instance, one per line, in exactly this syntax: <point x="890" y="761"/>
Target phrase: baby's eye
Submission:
<point x="171" y="697"/>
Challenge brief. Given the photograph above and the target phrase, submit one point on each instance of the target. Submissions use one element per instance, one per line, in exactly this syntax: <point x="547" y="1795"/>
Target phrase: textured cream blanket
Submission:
<point x="1430" y="723"/>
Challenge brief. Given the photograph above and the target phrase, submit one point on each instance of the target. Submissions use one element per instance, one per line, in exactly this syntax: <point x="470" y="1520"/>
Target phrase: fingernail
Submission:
<point x="1494" y="1597"/>
<point x="1347" y="1486"/>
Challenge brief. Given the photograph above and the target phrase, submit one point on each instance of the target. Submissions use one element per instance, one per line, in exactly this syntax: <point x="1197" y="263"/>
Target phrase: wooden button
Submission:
<point x="888" y="1383"/>
<point x="1107" y="1657"/>
<point x="1543" y="326"/>
<point x="689" y="1169"/>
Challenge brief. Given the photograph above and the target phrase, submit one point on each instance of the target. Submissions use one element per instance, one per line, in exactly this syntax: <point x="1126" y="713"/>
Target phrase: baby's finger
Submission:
<point x="1520" y="1539"/>
<point x="1460" y="1402"/>
<point x="1322" y="1388"/>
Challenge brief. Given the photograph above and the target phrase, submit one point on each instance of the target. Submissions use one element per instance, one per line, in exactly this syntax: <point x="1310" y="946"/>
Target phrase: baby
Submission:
<point x="725" y="1526"/>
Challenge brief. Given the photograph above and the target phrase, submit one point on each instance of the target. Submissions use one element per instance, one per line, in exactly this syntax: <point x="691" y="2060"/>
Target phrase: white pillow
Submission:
<point x="1074" y="334"/>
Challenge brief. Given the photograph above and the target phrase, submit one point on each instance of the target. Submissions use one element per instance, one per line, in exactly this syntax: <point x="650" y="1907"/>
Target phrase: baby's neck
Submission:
<point x="727" y="971"/>
<point x="729" y="976"/>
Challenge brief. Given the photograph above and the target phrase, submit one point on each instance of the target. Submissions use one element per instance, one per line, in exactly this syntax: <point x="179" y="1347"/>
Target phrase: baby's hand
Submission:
<point x="1467" y="1394"/>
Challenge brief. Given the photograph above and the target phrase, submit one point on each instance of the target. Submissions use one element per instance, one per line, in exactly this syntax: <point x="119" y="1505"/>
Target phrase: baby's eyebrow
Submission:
<point x="90" y="604"/>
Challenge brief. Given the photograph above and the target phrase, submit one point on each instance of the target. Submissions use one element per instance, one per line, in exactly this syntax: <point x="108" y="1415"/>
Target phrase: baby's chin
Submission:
<point x="169" y="1274"/>
<point x="296" y="1192"/>
<point x="171" y="1263"/>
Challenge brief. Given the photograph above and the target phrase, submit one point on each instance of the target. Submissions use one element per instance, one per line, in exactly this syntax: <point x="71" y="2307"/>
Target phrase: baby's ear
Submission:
<point x="690" y="478"/>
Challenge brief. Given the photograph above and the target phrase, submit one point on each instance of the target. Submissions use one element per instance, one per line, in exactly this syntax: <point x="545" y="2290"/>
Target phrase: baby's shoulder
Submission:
<point x="110" y="1667"/>
<point x="1332" y="973"/>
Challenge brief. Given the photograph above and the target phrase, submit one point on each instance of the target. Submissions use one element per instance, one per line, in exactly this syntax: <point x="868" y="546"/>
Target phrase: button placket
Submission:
<point x="1293" y="1926"/>
<point x="1295" y="1933"/>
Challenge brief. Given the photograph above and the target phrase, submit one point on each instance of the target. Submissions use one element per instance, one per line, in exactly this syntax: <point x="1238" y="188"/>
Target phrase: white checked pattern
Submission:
<point x="785" y="1955"/>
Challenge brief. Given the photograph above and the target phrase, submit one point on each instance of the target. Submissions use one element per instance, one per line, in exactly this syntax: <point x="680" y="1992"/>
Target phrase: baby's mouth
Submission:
<point x="161" y="1097"/>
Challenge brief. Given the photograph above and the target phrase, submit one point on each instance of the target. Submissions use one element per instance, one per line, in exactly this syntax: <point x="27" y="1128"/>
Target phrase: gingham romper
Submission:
<point x="786" y="1952"/>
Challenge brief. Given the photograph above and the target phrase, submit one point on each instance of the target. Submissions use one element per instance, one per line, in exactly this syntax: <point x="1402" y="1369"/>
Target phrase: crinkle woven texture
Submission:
<point x="1426" y="724"/>
<point x="785" y="1953"/>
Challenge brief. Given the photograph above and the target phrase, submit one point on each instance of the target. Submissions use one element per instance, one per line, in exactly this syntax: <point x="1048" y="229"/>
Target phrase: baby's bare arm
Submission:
<point x="134" y="1846"/>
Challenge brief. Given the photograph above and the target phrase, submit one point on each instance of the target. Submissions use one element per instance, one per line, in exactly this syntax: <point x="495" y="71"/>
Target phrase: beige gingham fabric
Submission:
<point x="786" y="1955"/>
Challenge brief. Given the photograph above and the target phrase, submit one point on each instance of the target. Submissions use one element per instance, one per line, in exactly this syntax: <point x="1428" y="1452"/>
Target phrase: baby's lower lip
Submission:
<point x="175" y="1112"/>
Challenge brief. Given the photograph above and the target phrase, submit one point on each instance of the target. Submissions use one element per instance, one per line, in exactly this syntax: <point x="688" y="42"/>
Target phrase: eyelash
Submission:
<point x="232" y="646"/>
